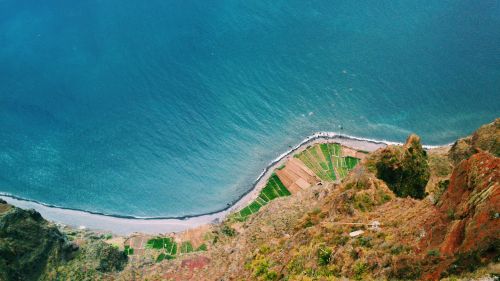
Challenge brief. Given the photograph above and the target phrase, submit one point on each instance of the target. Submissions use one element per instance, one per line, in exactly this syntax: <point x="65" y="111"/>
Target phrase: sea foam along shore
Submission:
<point x="154" y="225"/>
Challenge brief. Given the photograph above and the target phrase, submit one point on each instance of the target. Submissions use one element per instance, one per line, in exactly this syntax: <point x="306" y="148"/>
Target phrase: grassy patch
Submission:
<point x="359" y="270"/>
<point x="202" y="247"/>
<point x="186" y="247"/>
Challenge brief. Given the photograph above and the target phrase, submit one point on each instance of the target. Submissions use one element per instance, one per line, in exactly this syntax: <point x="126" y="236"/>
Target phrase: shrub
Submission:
<point x="363" y="202"/>
<point x="365" y="242"/>
<point x="441" y="188"/>
<point x="451" y="214"/>
<point x="397" y="249"/>
<point x="109" y="258"/>
<point x="324" y="256"/>
<point x="228" y="231"/>
<point x="260" y="267"/>
<point x="433" y="253"/>
<point x="340" y="240"/>
<point x="359" y="270"/>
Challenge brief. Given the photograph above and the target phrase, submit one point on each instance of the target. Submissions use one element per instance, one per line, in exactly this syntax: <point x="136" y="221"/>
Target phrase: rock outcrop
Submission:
<point x="404" y="169"/>
<point x="467" y="232"/>
<point x="486" y="138"/>
<point x="28" y="244"/>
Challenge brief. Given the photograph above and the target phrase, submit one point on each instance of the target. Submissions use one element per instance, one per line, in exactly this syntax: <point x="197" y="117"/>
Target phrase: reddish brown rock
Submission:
<point x="469" y="207"/>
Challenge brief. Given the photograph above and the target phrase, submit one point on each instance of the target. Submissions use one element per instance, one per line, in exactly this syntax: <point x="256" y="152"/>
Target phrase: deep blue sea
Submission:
<point x="174" y="107"/>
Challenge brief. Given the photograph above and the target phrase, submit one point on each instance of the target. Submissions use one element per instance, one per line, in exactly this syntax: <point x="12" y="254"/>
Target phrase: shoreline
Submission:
<point x="126" y="225"/>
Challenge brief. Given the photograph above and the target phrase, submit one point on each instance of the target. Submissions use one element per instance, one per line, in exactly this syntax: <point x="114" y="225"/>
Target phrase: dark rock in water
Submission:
<point x="28" y="243"/>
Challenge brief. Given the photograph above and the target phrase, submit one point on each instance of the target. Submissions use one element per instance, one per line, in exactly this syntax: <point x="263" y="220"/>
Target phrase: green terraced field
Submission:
<point x="128" y="251"/>
<point x="186" y="247"/>
<point x="202" y="247"/>
<point x="329" y="164"/>
<point x="163" y="256"/>
<point x="166" y="243"/>
<point x="325" y="160"/>
<point x="351" y="162"/>
<point x="273" y="189"/>
<point x="168" y="248"/>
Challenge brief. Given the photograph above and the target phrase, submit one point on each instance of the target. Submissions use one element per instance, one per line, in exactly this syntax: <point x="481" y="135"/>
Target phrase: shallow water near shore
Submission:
<point x="126" y="225"/>
<point x="173" y="108"/>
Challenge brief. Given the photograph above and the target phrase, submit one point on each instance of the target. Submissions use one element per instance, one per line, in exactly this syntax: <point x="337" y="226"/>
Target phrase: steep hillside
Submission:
<point x="365" y="228"/>
<point x="486" y="138"/>
<point x="32" y="248"/>
<point x="331" y="213"/>
<point x="28" y="244"/>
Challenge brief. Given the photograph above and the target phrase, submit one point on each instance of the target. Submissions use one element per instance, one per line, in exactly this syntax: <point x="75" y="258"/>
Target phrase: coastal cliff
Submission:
<point x="399" y="213"/>
<point x="32" y="248"/>
<point x="403" y="213"/>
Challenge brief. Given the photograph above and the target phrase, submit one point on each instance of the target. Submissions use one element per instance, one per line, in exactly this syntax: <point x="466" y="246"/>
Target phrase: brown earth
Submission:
<point x="296" y="176"/>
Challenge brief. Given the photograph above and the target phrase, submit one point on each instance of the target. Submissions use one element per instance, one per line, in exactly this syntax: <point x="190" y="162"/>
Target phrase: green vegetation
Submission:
<point x="351" y="162"/>
<point x="272" y="190"/>
<point x="28" y="243"/>
<point x="202" y="248"/>
<point x="359" y="270"/>
<point x="363" y="202"/>
<point x="433" y="253"/>
<point x="168" y="247"/>
<point x="228" y="231"/>
<point x="325" y="160"/>
<point x="324" y="256"/>
<point x="405" y="170"/>
<point x="329" y="164"/>
<point x="442" y="186"/>
<point x="164" y="244"/>
<point x="164" y="256"/>
<point x="260" y="267"/>
<point x="186" y="247"/>
<point x="128" y="251"/>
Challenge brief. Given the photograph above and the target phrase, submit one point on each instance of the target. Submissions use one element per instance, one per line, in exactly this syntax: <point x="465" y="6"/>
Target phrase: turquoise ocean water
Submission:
<point x="171" y="108"/>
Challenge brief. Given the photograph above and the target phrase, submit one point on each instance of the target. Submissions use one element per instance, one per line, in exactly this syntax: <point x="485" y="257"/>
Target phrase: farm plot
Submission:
<point x="273" y="189"/>
<point x="166" y="245"/>
<point x="168" y="248"/>
<point x="327" y="162"/>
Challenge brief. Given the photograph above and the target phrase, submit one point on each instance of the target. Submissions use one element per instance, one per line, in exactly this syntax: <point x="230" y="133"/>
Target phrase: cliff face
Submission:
<point x="28" y="243"/>
<point x="326" y="232"/>
<point x="31" y="248"/>
<point x="403" y="213"/>
<point x="467" y="232"/>
<point x="486" y="138"/>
